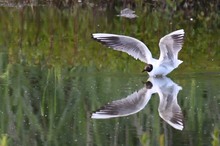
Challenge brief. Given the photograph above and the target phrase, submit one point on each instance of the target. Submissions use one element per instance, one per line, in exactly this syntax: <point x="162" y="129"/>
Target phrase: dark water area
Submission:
<point x="53" y="75"/>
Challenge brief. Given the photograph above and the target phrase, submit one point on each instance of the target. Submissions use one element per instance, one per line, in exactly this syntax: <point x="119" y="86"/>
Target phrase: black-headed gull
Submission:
<point x="168" y="109"/>
<point x="170" y="45"/>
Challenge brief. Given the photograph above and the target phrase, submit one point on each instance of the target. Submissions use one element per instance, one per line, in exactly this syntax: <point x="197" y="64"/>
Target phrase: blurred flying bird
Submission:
<point x="127" y="13"/>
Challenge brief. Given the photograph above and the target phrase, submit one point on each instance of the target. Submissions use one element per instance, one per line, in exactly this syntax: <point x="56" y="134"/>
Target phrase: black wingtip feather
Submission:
<point x="177" y="119"/>
<point x="107" y="109"/>
<point x="178" y="37"/>
<point x="109" y="41"/>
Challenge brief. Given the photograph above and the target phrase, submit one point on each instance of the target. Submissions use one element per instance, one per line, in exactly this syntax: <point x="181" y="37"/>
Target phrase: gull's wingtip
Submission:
<point x="98" y="35"/>
<point x="178" y="127"/>
<point x="93" y="35"/>
<point x="95" y="116"/>
<point x="180" y="31"/>
<point x="102" y="116"/>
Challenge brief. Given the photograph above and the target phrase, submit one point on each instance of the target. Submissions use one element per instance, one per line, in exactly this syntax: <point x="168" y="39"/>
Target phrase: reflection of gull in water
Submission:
<point x="128" y="13"/>
<point x="170" y="45"/>
<point x="168" y="109"/>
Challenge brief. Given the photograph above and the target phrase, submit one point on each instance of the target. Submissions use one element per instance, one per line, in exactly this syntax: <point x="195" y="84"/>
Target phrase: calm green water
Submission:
<point x="53" y="75"/>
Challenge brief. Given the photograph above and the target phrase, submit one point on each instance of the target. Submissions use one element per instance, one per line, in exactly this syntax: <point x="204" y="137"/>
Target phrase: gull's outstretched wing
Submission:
<point x="170" y="45"/>
<point x="169" y="110"/>
<point x="124" y="107"/>
<point x="126" y="44"/>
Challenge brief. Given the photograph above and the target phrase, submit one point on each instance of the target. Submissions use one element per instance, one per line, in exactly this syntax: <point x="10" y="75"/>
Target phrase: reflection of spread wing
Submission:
<point x="169" y="110"/>
<point x="124" y="107"/>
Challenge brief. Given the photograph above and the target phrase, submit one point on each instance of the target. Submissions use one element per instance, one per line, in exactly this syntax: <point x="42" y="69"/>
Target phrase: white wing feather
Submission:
<point x="129" y="45"/>
<point x="170" y="45"/>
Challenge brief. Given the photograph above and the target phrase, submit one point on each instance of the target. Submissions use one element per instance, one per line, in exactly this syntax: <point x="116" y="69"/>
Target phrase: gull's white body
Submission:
<point x="170" y="45"/>
<point x="168" y="109"/>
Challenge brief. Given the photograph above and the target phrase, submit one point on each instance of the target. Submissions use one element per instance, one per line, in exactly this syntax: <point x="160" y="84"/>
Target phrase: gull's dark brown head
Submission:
<point x="148" y="85"/>
<point x="148" y="68"/>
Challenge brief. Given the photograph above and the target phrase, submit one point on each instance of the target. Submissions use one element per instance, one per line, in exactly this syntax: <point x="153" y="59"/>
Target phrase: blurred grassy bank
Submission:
<point x="36" y="35"/>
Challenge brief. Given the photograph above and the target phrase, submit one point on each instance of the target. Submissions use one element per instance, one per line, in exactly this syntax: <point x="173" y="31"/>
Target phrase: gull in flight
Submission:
<point x="128" y="13"/>
<point x="169" y="110"/>
<point x="170" y="45"/>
